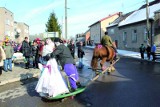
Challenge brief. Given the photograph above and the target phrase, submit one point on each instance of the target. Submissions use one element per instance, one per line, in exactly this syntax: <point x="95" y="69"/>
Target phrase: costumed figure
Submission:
<point x="67" y="62"/>
<point x="50" y="82"/>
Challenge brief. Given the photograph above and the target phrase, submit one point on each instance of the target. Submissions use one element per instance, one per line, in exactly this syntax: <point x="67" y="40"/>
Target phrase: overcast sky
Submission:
<point x="81" y="13"/>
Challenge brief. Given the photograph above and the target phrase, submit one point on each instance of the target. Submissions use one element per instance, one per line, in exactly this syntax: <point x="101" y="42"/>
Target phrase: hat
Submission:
<point x="58" y="40"/>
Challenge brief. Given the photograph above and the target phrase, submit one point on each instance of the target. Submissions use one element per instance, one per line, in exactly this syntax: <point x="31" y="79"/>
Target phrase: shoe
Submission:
<point x="6" y="70"/>
<point x="78" y="85"/>
<point x="10" y="70"/>
<point x="26" y="67"/>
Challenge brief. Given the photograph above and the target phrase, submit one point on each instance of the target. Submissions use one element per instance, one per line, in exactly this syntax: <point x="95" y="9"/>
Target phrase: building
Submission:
<point x="6" y="23"/>
<point x="131" y="32"/>
<point x="21" y="30"/>
<point x="114" y="32"/>
<point x="98" y="28"/>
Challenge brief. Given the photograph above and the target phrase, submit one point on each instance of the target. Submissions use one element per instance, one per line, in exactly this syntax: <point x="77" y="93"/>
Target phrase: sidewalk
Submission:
<point x="18" y="73"/>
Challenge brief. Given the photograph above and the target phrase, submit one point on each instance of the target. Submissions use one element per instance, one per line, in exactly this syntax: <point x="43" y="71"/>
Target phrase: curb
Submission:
<point x="18" y="79"/>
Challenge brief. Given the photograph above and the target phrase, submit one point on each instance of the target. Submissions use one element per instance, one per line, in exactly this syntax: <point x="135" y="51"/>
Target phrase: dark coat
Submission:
<point x="80" y="52"/>
<point x="71" y="48"/>
<point x="148" y="49"/>
<point x="34" y="50"/>
<point x="26" y="49"/>
<point x="64" y="55"/>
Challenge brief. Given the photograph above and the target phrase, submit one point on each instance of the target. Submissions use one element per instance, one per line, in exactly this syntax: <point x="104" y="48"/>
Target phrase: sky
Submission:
<point x="80" y="13"/>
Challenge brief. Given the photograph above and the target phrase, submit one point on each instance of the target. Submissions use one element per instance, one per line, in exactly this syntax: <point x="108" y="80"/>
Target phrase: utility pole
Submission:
<point x="65" y="19"/>
<point x="148" y="27"/>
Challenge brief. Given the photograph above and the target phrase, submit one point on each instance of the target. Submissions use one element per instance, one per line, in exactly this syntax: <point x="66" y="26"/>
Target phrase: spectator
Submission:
<point x="9" y="53"/>
<point x="142" y="50"/>
<point x="40" y="50"/>
<point x="153" y="51"/>
<point x="2" y="57"/>
<point x="71" y="47"/>
<point x="148" y="49"/>
<point x="26" y="50"/>
<point x="34" y="51"/>
<point x="80" y="55"/>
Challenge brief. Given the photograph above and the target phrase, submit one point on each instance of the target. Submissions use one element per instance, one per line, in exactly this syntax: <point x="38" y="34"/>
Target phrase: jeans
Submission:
<point x="8" y="64"/>
<point x="80" y="65"/>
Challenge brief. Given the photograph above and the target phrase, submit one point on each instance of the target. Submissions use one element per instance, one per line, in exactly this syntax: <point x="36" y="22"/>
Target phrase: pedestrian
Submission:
<point x="148" y="49"/>
<point x="71" y="47"/>
<point x="40" y="49"/>
<point x="2" y="57"/>
<point x="26" y="50"/>
<point x="34" y="51"/>
<point x="80" y="55"/>
<point x="9" y="51"/>
<point x="142" y="50"/>
<point x="107" y="41"/>
<point x="153" y="51"/>
<point x="67" y="62"/>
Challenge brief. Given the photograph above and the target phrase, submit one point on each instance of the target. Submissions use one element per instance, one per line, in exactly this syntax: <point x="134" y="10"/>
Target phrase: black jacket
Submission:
<point x="64" y="55"/>
<point x="71" y="48"/>
<point x="26" y="49"/>
<point x="34" y="50"/>
<point x="80" y="52"/>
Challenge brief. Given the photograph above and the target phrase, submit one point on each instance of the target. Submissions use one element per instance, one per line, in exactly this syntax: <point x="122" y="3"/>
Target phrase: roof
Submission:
<point x="6" y="9"/>
<point x="140" y="15"/>
<point x="119" y="19"/>
<point x="150" y="4"/>
<point x="118" y="13"/>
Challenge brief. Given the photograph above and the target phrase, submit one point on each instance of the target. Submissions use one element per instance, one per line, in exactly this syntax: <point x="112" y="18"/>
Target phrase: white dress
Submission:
<point x="51" y="82"/>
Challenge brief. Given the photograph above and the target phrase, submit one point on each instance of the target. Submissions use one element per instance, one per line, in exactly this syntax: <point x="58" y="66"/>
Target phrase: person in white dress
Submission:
<point x="51" y="82"/>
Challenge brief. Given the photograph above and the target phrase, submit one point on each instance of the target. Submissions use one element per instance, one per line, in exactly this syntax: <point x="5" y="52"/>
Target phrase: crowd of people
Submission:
<point x="150" y="50"/>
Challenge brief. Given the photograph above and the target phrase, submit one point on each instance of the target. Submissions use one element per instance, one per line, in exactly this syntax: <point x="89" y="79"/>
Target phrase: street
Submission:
<point x="135" y="83"/>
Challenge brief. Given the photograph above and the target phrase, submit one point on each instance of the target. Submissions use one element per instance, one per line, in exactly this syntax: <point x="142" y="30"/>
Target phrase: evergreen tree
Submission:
<point x="52" y="24"/>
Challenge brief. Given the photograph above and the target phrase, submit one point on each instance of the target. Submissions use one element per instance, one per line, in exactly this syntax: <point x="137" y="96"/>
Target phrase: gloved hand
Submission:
<point x="52" y="55"/>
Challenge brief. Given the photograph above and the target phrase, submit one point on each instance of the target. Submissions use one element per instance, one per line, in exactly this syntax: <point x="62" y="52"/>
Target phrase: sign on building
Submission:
<point x="50" y="34"/>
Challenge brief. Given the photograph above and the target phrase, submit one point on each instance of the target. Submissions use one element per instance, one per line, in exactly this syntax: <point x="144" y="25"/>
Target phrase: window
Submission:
<point x="134" y="36"/>
<point x="7" y="21"/>
<point x="124" y="36"/>
<point x="112" y="31"/>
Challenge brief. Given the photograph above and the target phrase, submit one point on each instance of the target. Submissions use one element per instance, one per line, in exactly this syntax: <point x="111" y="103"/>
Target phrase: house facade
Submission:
<point x="21" y="31"/>
<point x="131" y="32"/>
<point x="6" y="24"/>
<point x="98" y="28"/>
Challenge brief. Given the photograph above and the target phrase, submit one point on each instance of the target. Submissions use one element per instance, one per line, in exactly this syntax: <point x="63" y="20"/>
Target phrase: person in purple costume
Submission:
<point x="66" y="60"/>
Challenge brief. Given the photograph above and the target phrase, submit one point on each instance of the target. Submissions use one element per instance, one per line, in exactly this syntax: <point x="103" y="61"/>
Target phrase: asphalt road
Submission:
<point x="135" y="83"/>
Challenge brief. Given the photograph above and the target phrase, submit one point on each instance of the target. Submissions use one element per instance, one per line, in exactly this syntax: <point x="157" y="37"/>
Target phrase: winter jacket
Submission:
<point x="106" y="40"/>
<point x="153" y="49"/>
<point x="80" y="52"/>
<point x="9" y="51"/>
<point x="26" y="49"/>
<point x="3" y="56"/>
<point x="71" y="48"/>
<point x="64" y="55"/>
<point x="34" y="50"/>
